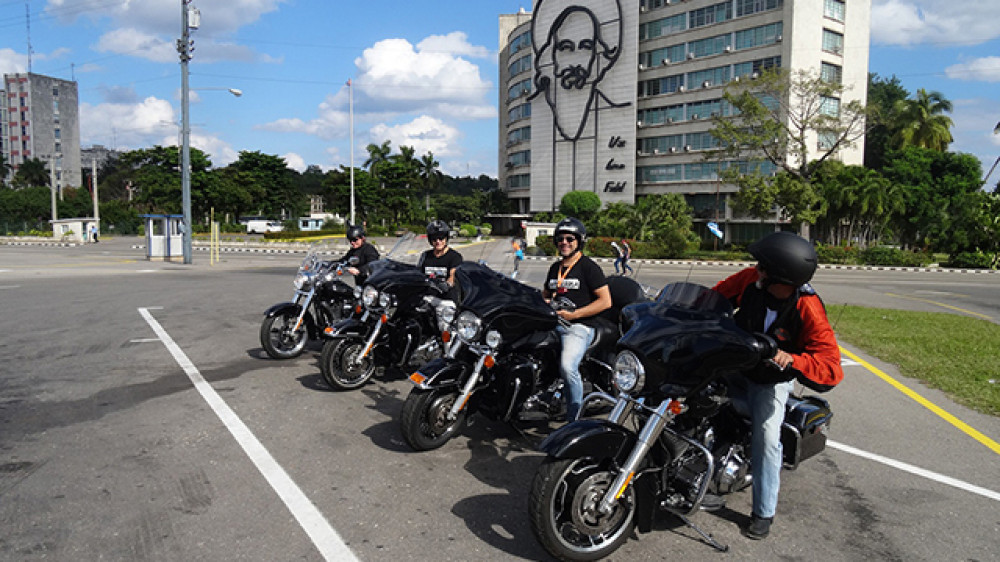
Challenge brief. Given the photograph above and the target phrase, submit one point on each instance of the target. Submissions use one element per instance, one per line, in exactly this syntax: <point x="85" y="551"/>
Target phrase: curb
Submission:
<point x="751" y="264"/>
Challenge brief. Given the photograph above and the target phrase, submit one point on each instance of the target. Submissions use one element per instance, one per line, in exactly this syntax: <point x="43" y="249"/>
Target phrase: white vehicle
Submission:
<point x="260" y="226"/>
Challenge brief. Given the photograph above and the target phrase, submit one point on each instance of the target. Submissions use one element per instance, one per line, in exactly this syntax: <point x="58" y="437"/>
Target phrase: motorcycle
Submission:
<point x="504" y="353"/>
<point x="321" y="299"/>
<point x="398" y="321"/>
<point x="673" y="433"/>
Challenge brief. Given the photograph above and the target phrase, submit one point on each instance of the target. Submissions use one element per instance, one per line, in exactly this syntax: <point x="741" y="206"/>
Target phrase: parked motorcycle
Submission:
<point x="397" y="323"/>
<point x="673" y="434"/>
<point x="321" y="299"/>
<point x="505" y="351"/>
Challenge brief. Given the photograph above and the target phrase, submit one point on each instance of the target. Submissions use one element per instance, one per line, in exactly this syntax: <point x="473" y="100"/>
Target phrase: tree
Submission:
<point x="155" y="175"/>
<point x="430" y="176"/>
<point x="663" y="219"/>
<point x="269" y="174"/>
<point x="4" y="168"/>
<point x="921" y="122"/>
<point x="883" y="93"/>
<point x="580" y="204"/>
<point x="777" y="118"/>
<point x="377" y="155"/>
<point x="33" y="172"/>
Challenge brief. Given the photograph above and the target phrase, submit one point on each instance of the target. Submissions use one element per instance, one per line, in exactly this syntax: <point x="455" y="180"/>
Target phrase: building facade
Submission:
<point x="40" y="118"/>
<point x="617" y="96"/>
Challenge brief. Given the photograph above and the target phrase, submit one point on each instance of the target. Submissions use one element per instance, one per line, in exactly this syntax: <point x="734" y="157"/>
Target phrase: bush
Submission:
<point x="883" y="255"/>
<point x="973" y="260"/>
<point x="467" y="230"/>
<point x="486" y="228"/>
<point x="837" y="254"/>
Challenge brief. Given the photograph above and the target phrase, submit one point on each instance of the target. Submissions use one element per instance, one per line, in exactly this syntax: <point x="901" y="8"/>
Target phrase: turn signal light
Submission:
<point x="489" y="362"/>
<point x="358" y="309"/>
<point x="675" y="407"/>
<point x="328" y="329"/>
<point x="384" y="318"/>
<point x="446" y="336"/>
<point x="417" y="378"/>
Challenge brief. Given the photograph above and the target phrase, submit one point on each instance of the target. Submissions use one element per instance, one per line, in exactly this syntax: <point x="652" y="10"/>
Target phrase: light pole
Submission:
<point x="184" y="47"/>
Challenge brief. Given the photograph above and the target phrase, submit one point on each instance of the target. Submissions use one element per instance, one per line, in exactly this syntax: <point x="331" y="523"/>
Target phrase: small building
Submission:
<point x="309" y="224"/>
<point x="533" y="230"/>
<point x="73" y="230"/>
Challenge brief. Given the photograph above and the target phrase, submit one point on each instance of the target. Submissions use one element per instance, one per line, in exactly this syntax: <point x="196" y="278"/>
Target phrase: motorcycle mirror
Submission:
<point x="354" y="260"/>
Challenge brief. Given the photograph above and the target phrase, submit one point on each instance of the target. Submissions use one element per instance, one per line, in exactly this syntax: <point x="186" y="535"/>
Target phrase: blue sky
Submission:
<point x="424" y="72"/>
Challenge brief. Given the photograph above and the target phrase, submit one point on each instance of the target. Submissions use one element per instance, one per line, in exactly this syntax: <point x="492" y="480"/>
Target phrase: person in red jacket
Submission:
<point x="774" y="297"/>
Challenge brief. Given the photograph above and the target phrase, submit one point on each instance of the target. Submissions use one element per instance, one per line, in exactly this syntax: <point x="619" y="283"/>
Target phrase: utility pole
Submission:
<point x="185" y="47"/>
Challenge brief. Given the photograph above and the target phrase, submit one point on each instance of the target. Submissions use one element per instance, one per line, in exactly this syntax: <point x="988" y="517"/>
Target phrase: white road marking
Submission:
<point x="10" y="286"/>
<point x="144" y="340"/>
<point x="326" y="539"/>
<point x="916" y="470"/>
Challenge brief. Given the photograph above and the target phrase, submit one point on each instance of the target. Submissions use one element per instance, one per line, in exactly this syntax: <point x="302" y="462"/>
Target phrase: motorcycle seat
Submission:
<point x="606" y="333"/>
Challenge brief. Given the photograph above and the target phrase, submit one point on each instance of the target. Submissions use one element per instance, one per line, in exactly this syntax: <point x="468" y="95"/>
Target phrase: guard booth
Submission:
<point x="164" y="237"/>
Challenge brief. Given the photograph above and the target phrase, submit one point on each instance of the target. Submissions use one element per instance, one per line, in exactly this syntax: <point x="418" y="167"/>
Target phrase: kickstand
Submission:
<point x="708" y="538"/>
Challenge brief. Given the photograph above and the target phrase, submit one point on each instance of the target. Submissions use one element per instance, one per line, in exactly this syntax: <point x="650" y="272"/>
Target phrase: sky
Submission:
<point x="423" y="73"/>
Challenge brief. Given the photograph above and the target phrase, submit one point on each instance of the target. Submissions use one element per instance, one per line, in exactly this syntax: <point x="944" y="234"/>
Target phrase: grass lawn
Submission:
<point x="957" y="354"/>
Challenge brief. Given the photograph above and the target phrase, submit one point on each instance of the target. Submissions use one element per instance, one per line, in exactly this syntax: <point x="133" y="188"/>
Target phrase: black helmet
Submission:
<point x="785" y="257"/>
<point x="355" y="232"/>
<point x="438" y="227"/>
<point x="570" y="225"/>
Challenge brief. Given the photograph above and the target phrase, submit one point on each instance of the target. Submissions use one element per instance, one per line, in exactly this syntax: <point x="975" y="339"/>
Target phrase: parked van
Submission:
<point x="260" y="226"/>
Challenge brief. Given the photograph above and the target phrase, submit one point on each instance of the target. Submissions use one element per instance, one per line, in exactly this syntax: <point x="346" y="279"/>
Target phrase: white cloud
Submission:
<point x="295" y="162"/>
<point x="137" y="43"/>
<point x="424" y="134"/>
<point x="912" y="22"/>
<point x="985" y="69"/>
<point x="12" y="62"/>
<point x="974" y="120"/>
<point x="454" y="43"/>
<point x="128" y="126"/>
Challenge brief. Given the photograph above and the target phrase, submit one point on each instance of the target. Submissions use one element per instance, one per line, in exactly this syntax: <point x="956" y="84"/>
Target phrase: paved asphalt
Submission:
<point x="141" y="420"/>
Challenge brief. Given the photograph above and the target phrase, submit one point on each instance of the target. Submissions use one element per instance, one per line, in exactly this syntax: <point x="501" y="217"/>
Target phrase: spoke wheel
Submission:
<point x="340" y="367"/>
<point x="424" y="420"/>
<point x="564" y="503"/>
<point x="279" y="339"/>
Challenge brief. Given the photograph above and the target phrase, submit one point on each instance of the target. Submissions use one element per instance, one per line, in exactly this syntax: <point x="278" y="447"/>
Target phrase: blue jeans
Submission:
<point x="575" y="340"/>
<point x="624" y="264"/>
<point x="767" y="412"/>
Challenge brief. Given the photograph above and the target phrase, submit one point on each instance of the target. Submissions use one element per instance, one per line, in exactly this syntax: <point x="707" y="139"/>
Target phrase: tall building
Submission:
<point x="616" y="96"/>
<point x="40" y="118"/>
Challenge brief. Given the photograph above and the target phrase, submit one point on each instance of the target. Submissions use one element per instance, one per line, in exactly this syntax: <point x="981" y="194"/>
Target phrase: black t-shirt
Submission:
<point x="366" y="253"/>
<point x="439" y="267"/>
<point x="578" y="285"/>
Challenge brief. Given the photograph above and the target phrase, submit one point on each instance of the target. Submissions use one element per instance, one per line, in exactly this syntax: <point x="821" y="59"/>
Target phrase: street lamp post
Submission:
<point x="184" y="47"/>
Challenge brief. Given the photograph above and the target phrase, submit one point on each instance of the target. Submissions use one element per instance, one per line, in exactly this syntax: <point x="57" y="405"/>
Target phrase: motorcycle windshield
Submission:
<point x="486" y="293"/>
<point x="387" y="272"/>
<point x="695" y="298"/>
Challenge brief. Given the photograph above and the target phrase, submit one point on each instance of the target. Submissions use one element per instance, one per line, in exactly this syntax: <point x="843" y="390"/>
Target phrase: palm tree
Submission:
<point x="32" y="173"/>
<point x="921" y="121"/>
<point x="431" y="175"/>
<point x="377" y="156"/>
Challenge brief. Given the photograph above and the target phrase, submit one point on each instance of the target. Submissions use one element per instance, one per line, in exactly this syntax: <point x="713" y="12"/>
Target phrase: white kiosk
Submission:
<point x="164" y="237"/>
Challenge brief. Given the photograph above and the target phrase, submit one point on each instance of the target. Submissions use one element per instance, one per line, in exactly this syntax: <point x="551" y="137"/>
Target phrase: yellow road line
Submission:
<point x="77" y="264"/>
<point x="941" y="304"/>
<point x="993" y="445"/>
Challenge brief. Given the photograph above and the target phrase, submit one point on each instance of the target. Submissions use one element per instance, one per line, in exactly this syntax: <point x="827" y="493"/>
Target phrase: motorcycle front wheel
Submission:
<point x="340" y="367"/>
<point x="279" y="339"/>
<point x="564" y="500"/>
<point x="424" y="420"/>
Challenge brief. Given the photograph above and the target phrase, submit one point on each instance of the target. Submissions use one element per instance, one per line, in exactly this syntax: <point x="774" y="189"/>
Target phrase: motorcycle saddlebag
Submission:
<point x="803" y="434"/>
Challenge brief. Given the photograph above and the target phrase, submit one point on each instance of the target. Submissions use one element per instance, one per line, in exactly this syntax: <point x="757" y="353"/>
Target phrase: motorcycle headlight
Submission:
<point x="467" y="326"/>
<point x="446" y="315"/>
<point x="493" y="339"/>
<point x="384" y="300"/>
<point x="369" y="295"/>
<point x="301" y="280"/>
<point x="629" y="375"/>
<point x="357" y="292"/>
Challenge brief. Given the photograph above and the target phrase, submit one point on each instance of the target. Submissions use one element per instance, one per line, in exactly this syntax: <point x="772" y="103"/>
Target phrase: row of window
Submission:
<point x="519" y="89"/>
<point x="520" y="42"/>
<point x="677" y="143"/>
<point x="681" y="112"/>
<point x="519" y="135"/>
<point x="519" y="180"/>
<point x="522" y="64"/>
<point x="522" y="111"/>
<point x="745" y="39"/>
<point x="705" y="78"/>
<point x="697" y="171"/>
<point x="700" y="17"/>
<point x="520" y="158"/>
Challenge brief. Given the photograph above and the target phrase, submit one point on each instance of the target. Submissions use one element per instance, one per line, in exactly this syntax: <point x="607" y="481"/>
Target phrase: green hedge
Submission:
<point x="973" y="260"/>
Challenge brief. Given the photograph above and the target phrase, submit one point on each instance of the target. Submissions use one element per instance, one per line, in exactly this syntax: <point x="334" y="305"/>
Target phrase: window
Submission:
<point x="748" y="7"/>
<point x="834" y="9"/>
<point x="661" y="27"/>
<point x="711" y="77"/>
<point x="519" y="135"/>
<point x="827" y="139"/>
<point x="829" y="107"/>
<point x="833" y="42"/>
<point x="661" y="115"/>
<point x="661" y="145"/>
<point x="701" y="141"/>
<point x="757" y="36"/>
<point x="653" y="174"/>
<point x="758" y="66"/>
<point x="710" y="14"/>
<point x="674" y="53"/>
<point x="661" y="85"/>
<point x="705" y="109"/>
<point x="58" y="134"/>
<point x="701" y="171"/>
<point x="522" y="111"/>
<point x="710" y="46"/>
<point x="521" y="88"/>
<point x="521" y="41"/>
<point x="519" y="158"/>
<point x="520" y="65"/>
<point x="519" y="180"/>
<point x="831" y="73"/>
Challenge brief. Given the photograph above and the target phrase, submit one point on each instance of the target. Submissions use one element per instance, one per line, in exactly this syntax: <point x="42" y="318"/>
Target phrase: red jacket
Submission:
<point x="814" y="349"/>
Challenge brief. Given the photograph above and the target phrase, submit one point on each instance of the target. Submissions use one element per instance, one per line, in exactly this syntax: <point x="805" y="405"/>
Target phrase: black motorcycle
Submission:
<point x="321" y="299"/>
<point x="673" y="434"/>
<point x="398" y="323"/>
<point x="504" y="354"/>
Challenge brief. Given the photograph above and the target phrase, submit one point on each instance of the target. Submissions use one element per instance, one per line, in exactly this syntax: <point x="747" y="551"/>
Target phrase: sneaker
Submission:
<point x="758" y="528"/>
<point x="712" y="502"/>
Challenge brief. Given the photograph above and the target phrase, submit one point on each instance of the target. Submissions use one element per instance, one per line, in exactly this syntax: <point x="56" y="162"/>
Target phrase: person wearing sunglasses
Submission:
<point x="440" y="261"/>
<point x="365" y="252"/>
<point x="581" y="280"/>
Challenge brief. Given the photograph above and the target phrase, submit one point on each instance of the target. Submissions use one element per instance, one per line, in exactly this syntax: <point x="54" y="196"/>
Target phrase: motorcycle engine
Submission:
<point x="733" y="471"/>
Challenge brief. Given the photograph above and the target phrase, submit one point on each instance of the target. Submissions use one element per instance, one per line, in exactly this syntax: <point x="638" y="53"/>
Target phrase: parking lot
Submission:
<point x="141" y="420"/>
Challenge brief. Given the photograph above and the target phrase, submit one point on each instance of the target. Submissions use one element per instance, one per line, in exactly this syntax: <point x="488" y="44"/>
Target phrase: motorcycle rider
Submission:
<point x="440" y="261"/>
<point x="360" y="248"/>
<point x="774" y="297"/>
<point x="581" y="280"/>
